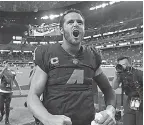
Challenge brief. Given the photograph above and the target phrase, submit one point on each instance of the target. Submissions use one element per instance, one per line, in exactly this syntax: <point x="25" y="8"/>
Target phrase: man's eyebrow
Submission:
<point x="80" y="20"/>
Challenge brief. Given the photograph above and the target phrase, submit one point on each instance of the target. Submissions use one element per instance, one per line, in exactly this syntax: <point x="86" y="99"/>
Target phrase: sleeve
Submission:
<point x="40" y="58"/>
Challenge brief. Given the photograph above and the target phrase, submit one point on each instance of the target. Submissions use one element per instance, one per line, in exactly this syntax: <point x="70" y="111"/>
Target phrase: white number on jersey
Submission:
<point x="76" y="77"/>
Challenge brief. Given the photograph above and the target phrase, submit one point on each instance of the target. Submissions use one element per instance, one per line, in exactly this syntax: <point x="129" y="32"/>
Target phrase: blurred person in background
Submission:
<point x="132" y="85"/>
<point x="7" y="78"/>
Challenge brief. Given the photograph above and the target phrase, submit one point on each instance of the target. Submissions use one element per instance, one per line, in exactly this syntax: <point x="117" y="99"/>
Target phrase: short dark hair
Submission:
<point x="67" y="12"/>
<point x="124" y="57"/>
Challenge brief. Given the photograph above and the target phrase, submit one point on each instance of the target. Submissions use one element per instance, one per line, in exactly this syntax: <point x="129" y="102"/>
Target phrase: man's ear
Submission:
<point x="61" y="30"/>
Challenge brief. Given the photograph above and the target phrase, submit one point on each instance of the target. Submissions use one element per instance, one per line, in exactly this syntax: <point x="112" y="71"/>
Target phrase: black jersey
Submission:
<point x="69" y="86"/>
<point x="7" y="81"/>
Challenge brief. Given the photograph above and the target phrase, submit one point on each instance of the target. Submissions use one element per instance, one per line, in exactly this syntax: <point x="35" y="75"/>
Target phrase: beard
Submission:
<point x="71" y="39"/>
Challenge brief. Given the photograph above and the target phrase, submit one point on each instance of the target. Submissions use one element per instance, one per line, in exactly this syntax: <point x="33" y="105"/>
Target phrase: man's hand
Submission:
<point x="108" y="117"/>
<point x="58" y="120"/>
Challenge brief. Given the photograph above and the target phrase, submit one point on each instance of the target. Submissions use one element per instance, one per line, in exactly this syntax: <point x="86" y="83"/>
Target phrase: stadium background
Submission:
<point x="116" y="28"/>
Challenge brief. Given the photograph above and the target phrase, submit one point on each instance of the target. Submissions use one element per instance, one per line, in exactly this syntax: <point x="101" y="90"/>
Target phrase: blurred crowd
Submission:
<point x="24" y="52"/>
<point x="135" y="52"/>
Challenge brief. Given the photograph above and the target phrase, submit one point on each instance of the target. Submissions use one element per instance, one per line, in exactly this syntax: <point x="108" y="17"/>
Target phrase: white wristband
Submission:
<point x="110" y="110"/>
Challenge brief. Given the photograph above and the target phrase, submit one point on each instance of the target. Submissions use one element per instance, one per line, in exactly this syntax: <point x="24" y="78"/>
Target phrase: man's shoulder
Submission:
<point x="42" y="47"/>
<point x="137" y="71"/>
<point x="10" y="72"/>
<point x="46" y="48"/>
<point x="92" y="50"/>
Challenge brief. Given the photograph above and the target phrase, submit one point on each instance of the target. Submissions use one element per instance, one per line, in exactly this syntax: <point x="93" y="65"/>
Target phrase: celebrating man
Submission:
<point x="64" y="74"/>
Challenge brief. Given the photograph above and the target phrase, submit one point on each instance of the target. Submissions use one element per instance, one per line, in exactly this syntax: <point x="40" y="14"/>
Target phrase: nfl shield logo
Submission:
<point x="54" y="61"/>
<point x="75" y="61"/>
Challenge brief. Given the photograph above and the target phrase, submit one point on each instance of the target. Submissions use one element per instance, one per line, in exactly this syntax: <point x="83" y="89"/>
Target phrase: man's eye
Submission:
<point x="80" y="22"/>
<point x="70" y="22"/>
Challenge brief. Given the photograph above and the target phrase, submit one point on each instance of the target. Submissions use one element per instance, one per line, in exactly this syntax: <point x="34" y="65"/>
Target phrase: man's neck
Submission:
<point x="71" y="49"/>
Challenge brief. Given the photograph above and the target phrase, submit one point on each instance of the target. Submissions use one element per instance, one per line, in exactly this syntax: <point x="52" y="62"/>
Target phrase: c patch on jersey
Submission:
<point x="54" y="61"/>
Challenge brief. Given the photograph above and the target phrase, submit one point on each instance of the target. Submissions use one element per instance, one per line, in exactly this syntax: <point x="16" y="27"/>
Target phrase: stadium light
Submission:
<point x="121" y="22"/>
<point x="18" y="37"/>
<point x="33" y="43"/>
<point x="44" y="17"/>
<point x="112" y="2"/>
<point x="111" y="45"/>
<point x="52" y="42"/>
<point x="17" y="42"/>
<point x="44" y="43"/>
<point x="97" y="35"/>
<point x="15" y="51"/>
<point x="104" y="5"/>
<point x="92" y="8"/>
<point x="4" y="50"/>
<point x="98" y="47"/>
<point x="61" y="14"/>
<point x="87" y="37"/>
<point x="53" y="16"/>
<point x="13" y="37"/>
<point x="141" y="41"/>
<point x="60" y="41"/>
<point x="27" y="51"/>
<point x="97" y="7"/>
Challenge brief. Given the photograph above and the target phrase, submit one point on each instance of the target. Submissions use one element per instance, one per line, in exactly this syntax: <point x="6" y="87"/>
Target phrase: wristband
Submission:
<point x="111" y="110"/>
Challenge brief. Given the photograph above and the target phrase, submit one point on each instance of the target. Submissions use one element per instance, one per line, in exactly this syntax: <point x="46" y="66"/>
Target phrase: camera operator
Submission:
<point x="132" y="86"/>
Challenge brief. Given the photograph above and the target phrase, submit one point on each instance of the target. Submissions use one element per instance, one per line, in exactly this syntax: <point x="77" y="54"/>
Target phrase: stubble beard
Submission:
<point x="71" y="40"/>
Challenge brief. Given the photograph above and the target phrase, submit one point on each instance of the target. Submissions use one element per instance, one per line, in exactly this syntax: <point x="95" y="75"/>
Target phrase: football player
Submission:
<point x="7" y="78"/>
<point x="64" y="74"/>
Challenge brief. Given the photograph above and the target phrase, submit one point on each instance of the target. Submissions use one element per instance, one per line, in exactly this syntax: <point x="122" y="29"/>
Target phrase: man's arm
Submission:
<point x="38" y="82"/>
<point x="104" y="85"/>
<point x="2" y="72"/>
<point x="96" y="96"/>
<point x="116" y="81"/>
<point x="17" y="85"/>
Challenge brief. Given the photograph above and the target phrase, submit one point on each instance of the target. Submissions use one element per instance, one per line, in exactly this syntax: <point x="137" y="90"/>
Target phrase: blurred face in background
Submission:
<point x="124" y="62"/>
<point x="73" y="28"/>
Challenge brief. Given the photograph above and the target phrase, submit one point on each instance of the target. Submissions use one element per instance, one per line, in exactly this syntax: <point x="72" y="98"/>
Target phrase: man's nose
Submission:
<point x="75" y="23"/>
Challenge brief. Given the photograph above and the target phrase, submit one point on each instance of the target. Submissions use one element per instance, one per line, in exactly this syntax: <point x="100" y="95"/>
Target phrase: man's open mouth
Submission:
<point x="75" y="33"/>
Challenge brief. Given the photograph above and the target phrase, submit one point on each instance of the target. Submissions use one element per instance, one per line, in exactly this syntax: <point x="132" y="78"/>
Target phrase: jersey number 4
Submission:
<point x="77" y="77"/>
<point x="7" y="85"/>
